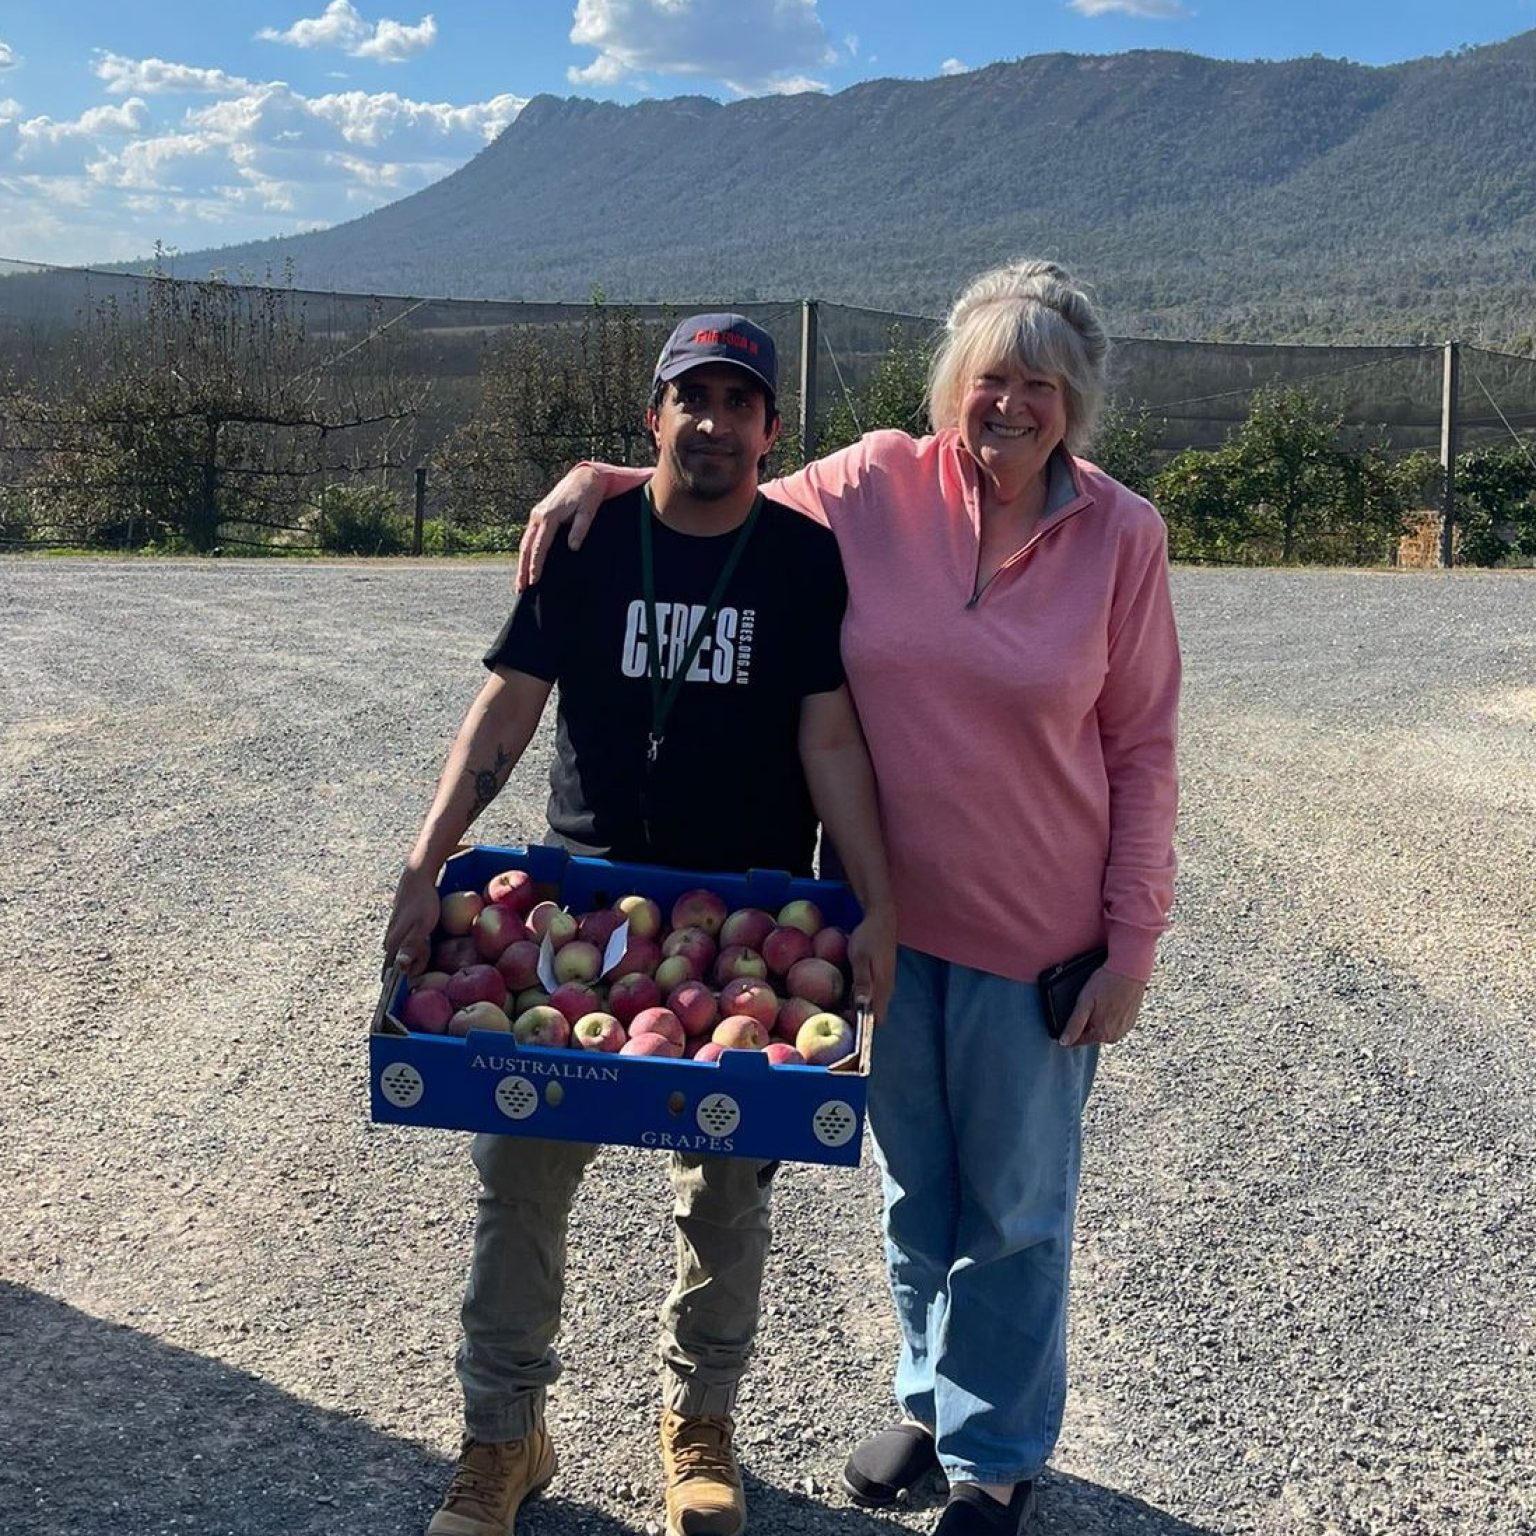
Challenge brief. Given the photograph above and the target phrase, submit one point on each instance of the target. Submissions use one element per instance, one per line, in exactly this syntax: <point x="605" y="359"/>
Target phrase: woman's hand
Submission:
<point x="574" y="500"/>
<point x="1106" y="1009"/>
<point x="408" y="938"/>
<point x="872" y="959"/>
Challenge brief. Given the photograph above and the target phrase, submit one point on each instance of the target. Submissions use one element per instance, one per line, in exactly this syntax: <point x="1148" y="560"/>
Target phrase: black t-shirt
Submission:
<point x="727" y="791"/>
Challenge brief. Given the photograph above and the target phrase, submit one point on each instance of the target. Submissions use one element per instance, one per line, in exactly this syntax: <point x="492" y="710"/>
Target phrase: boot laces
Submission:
<point x="702" y="1448"/>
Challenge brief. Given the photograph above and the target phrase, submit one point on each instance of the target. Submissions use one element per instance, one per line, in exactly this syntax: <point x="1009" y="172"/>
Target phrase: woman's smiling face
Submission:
<point x="1012" y="418"/>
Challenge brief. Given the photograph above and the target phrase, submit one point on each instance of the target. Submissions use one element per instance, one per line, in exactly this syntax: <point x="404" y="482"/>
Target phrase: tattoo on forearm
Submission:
<point x="488" y="781"/>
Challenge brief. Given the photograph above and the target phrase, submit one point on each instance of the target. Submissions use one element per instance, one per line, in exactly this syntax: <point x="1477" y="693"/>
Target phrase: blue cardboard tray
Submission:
<point x="738" y="1106"/>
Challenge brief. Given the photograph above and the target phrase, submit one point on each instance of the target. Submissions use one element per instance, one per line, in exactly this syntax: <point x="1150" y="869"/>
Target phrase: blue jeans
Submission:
<point x="977" y="1119"/>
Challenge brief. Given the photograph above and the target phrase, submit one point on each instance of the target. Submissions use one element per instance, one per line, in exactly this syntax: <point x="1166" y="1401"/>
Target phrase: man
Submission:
<point x="703" y="723"/>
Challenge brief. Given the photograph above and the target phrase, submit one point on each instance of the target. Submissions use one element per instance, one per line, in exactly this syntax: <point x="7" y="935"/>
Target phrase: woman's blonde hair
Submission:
<point x="1032" y="315"/>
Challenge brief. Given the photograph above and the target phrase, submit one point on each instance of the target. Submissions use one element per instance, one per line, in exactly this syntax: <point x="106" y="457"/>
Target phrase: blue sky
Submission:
<point x="194" y="124"/>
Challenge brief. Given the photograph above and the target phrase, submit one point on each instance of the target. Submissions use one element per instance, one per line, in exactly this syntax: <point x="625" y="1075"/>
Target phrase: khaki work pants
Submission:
<point x="512" y="1307"/>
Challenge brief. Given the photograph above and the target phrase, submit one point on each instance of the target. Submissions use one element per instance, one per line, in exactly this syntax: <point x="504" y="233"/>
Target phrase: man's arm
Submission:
<point x="494" y="735"/>
<point x="842" y="786"/>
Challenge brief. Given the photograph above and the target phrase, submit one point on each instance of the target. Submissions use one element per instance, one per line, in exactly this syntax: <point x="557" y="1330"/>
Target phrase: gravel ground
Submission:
<point x="1303" y="1302"/>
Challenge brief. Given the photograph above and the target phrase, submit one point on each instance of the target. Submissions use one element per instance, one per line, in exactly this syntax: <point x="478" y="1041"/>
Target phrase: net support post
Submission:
<point x="808" y="346"/>
<point x="1450" y="444"/>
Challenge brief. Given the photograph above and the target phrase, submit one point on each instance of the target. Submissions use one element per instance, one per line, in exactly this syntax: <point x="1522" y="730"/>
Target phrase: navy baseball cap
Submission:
<point x="720" y="338"/>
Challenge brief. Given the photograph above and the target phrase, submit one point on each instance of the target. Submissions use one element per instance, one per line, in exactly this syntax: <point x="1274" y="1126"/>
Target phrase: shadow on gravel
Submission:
<point x="1068" y="1506"/>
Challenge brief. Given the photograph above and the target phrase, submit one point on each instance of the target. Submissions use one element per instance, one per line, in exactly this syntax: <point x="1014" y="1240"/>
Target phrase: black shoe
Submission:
<point x="886" y="1465"/>
<point x="970" y="1512"/>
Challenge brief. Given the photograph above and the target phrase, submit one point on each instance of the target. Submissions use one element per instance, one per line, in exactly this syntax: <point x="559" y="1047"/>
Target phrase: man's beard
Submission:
<point x="708" y="478"/>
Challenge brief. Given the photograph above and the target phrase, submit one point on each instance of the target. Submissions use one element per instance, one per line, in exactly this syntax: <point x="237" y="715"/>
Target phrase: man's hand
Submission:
<point x="1106" y="1009"/>
<point x="408" y="938"/>
<point x="574" y="500"/>
<point x="872" y="958"/>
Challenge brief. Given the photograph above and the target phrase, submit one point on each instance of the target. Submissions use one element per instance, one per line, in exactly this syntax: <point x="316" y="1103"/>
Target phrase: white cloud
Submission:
<point x="752" y="45"/>
<point x="1147" y="10"/>
<point x="10" y="109"/>
<point x="954" y="67"/>
<point x="157" y="77"/>
<point x="342" y="26"/>
<point x="8" y="59"/>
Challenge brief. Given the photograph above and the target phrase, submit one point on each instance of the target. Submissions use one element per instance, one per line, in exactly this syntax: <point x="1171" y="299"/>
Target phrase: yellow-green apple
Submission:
<point x="640" y="958"/>
<point x="792" y="1015"/>
<point x="695" y="1007"/>
<point x="699" y="909"/>
<point x="478" y="1016"/>
<point x="574" y="998"/>
<point x="752" y="997"/>
<point x="598" y="1032"/>
<point x="494" y="929"/>
<point x="650" y="1045"/>
<point x="457" y="912"/>
<point x="598" y="927"/>
<point x="674" y="971"/>
<point x="708" y="1050"/>
<point x="785" y="947"/>
<point x="657" y="1021"/>
<point x="738" y="961"/>
<point x="554" y="921"/>
<point x="513" y="889"/>
<point x="818" y="980"/>
<point x="578" y="961"/>
<point x="633" y="994"/>
<point x="427" y="1012"/>
<point x="781" y="1051"/>
<point x="824" y="1038"/>
<point x="740" y="1033"/>
<point x="804" y="915"/>
<point x="694" y="945"/>
<point x="454" y="954"/>
<point x="747" y="926"/>
<point x="431" y="981"/>
<point x="642" y="914"/>
<point x="477" y="984"/>
<point x="519" y="964"/>
<point x="831" y="945"/>
<point x="529" y="997"/>
<point x="542" y="1026"/>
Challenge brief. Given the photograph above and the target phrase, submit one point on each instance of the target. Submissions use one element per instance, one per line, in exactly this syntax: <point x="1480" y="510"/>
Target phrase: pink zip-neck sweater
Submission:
<point x="1023" y="736"/>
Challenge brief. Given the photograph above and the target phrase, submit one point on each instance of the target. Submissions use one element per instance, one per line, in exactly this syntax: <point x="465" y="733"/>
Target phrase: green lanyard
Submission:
<point x="664" y="697"/>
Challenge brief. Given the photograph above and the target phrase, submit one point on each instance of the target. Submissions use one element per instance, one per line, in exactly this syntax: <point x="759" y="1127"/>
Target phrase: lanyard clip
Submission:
<point x="653" y="751"/>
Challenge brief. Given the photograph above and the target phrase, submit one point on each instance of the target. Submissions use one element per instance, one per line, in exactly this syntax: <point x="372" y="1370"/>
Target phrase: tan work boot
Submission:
<point x="704" y="1496"/>
<point x="490" y="1483"/>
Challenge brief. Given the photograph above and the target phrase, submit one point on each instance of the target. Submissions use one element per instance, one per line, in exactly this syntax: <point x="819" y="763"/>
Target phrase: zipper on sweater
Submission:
<point x="1019" y="555"/>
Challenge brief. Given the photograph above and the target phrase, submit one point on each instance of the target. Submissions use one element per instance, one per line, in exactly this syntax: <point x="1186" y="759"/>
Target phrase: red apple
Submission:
<point x="748" y="926"/>
<point x="780" y="1051"/>
<point x="495" y="928"/>
<point x="642" y="914"/>
<point x="785" y="947"/>
<point x="657" y="1021"/>
<point x="674" y="971"/>
<point x="650" y="1045"/>
<point x="454" y="954"/>
<point x="513" y="889"/>
<point x="738" y="961"/>
<point x="598" y="1032"/>
<point x="693" y="944"/>
<point x="640" y="959"/>
<point x="824" y="1038"/>
<point x="695" y="1007"/>
<point x="709" y="1050"/>
<point x="699" y="909"/>
<point x="542" y="1026"/>
<point x="598" y="927"/>
<point x="427" y="1012"/>
<point x="631" y="995"/>
<point x="519" y="965"/>
<point x="478" y="1016"/>
<point x="804" y="915"/>
<point x="752" y="997"/>
<point x="432" y="981"/>
<point x="578" y="961"/>
<point x="831" y="945"/>
<point x="477" y="984"/>
<point x="792" y="1015"/>
<point x="458" y="911"/>
<point x="740" y="1033"/>
<point x="573" y="999"/>
<point x="817" y="980"/>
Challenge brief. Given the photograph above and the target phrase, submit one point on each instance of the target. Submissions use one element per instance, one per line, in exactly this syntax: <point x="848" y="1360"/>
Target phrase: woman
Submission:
<point x="1010" y="645"/>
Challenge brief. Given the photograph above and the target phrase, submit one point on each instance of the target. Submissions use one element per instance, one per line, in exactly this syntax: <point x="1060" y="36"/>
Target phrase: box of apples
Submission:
<point x="583" y="1000"/>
